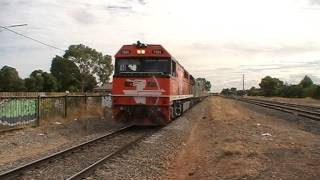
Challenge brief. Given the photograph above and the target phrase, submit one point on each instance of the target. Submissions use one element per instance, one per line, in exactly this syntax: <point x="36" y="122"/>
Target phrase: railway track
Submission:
<point x="310" y="112"/>
<point x="79" y="161"/>
<point x="313" y="108"/>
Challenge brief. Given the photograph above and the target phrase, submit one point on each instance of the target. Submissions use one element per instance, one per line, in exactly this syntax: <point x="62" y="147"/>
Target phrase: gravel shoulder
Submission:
<point x="237" y="142"/>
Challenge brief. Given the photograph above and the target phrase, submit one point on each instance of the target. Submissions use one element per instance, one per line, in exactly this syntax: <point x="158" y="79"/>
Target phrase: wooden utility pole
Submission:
<point x="243" y="82"/>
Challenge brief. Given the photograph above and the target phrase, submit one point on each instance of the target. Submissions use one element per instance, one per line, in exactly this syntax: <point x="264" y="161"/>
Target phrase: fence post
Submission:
<point x="65" y="105"/>
<point x="39" y="111"/>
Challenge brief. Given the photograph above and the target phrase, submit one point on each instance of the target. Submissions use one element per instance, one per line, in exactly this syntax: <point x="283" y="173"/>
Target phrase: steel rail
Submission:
<point x="90" y="169"/>
<point x="317" y="108"/>
<point x="284" y="108"/>
<point x="18" y="170"/>
<point x="288" y="106"/>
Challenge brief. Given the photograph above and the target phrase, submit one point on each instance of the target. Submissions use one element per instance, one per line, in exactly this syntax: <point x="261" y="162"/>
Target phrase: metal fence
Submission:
<point x="21" y="111"/>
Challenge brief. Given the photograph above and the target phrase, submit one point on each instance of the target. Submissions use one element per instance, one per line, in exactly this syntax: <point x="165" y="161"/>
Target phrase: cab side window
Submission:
<point x="185" y="75"/>
<point x="173" y="69"/>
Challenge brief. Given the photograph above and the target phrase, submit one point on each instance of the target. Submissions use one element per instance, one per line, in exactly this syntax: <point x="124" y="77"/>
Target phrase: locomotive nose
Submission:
<point x="144" y="115"/>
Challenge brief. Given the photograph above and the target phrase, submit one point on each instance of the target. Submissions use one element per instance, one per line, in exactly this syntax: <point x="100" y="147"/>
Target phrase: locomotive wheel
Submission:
<point x="177" y="109"/>
<point x="172" y="113"/>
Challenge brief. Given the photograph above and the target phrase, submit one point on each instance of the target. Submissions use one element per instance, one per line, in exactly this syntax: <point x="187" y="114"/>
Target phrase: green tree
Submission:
<point x="292" y="91"/>
<point x="35" y="81"/>
<point x="90" y="62"/>
<point x="310" y="91"/>
<point x="226" y="92"/>
<point x="10" y="80"/>
<point x="41" y="82"/>
<point x="254" y="92"/>
<point x="66" y="73"/>
<point x="241" y="92"/>
<point x="207" y="84"/>
<point x="271" y="86"/>
<point x="90" y="83"/>
<point x="50" y="83"/>
<point x="306" y="82"/>
<point x="233" y="90"/>
<point x="317" y="93"/>
<point x="103" y="69"/>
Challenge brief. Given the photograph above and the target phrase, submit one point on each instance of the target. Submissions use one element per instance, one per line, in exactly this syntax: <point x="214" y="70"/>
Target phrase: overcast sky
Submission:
<point x="216" y="39"/>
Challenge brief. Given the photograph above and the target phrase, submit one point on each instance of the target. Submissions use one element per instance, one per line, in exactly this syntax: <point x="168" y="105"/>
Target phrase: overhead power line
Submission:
<point x="16" y="25"/>
<point x="38" y="41"/>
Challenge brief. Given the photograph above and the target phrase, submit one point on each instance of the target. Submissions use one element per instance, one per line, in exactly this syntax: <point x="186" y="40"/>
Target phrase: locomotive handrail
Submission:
<point x="142" y="73"/>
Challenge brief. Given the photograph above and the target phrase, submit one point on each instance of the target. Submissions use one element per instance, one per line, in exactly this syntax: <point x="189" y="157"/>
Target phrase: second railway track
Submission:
<point x="78" y="161"/>
<point x="309" y="112"/>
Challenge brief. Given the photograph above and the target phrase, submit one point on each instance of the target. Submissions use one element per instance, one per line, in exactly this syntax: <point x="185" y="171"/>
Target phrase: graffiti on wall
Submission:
<point x="15" y="112"/>
<point x="51" y="107"/>
<point x="106" y="101"/>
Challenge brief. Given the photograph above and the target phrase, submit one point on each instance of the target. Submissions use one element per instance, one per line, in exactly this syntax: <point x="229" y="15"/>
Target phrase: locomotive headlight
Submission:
<point x="141" y="51"/>
<point x="125" y="51"/>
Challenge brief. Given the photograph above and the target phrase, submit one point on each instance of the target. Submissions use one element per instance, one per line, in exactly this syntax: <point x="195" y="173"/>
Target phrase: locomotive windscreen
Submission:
<point x="143" y="66"/>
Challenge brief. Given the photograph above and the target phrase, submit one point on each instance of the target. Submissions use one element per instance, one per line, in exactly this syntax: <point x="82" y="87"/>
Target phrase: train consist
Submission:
<point x="150" y="87"/>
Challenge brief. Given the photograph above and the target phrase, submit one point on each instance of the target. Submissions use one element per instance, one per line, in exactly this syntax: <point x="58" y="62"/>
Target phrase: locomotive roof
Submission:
<point x="142" y="50"/>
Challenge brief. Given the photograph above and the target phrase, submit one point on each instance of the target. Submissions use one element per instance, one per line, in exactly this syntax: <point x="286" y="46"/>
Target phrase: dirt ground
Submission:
<point x="234" y="142"/>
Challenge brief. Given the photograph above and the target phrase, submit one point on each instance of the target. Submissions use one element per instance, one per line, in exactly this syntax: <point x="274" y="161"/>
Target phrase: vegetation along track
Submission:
<point x="310" y="112"/>
<point x="78" y="161"/>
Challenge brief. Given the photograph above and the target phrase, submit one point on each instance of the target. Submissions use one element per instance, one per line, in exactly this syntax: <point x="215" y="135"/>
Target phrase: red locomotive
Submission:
<point x="149" y="86"/>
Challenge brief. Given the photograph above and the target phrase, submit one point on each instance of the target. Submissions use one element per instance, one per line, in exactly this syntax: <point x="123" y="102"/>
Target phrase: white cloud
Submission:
<point x="315" y="2"/>
<point x="219" y="40"/>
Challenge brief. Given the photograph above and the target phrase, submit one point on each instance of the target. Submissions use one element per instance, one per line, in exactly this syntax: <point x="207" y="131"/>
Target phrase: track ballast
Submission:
<point x="310" y="112"/>
<point x="78" y="161"/>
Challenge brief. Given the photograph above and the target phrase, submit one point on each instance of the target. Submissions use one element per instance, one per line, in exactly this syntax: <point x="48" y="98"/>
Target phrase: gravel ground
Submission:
<point x="22" y="146"/>
<point x="302" y="123"/>
<point x="152" y="157"/>
<point x="63" y="168"/>
<point x="241" y="141"/>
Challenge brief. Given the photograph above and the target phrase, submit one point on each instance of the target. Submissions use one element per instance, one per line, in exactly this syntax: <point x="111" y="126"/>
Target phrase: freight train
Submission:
<point x="150" y="87"/>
